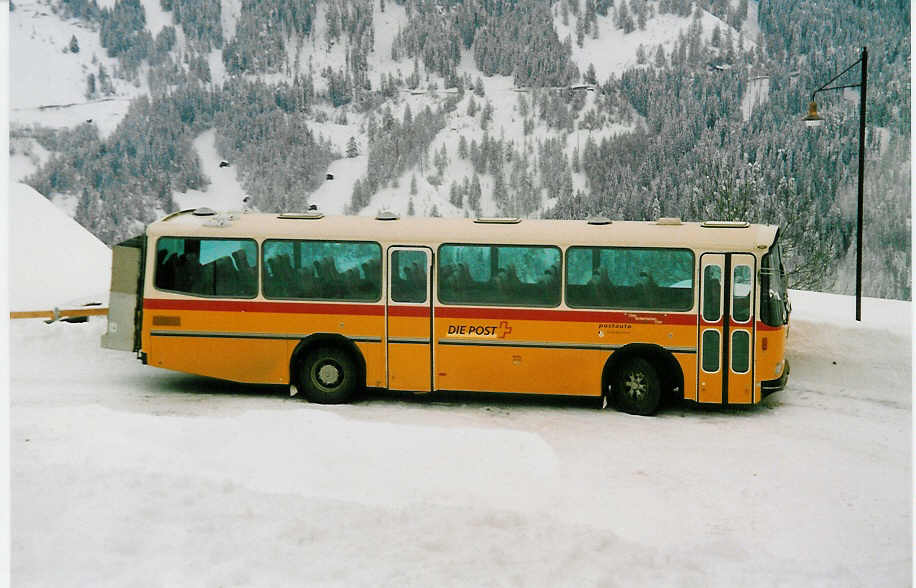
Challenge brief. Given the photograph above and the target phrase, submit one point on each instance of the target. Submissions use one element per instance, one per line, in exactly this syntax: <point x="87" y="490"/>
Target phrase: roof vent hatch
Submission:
<point x="719" y="224"/>
<point x="497" y="220"/>
<point x="310" y="215"/>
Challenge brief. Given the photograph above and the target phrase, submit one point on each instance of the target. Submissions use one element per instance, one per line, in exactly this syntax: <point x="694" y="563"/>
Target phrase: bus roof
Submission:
<point x="431" y="231"/>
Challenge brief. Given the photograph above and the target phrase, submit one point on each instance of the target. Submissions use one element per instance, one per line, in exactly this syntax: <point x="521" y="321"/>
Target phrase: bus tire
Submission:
<point x="328" y="375"/>
<point x="636" y="387"/>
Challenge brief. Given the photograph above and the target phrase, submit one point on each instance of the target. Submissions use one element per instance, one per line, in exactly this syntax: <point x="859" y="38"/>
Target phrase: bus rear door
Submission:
<point x="124" y="302"/>
<point x="726" y="328"/>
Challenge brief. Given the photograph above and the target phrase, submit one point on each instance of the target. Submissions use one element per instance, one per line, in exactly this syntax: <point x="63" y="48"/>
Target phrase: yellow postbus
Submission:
<point x="626" y="311"/>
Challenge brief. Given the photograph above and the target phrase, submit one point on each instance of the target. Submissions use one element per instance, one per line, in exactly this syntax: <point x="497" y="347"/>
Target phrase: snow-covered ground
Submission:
<point x="123" y="474"/>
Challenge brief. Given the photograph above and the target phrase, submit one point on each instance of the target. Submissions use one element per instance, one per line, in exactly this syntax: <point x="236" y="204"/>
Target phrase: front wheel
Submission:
<point x="328" y="376"/>
<point x="636" y="387"/>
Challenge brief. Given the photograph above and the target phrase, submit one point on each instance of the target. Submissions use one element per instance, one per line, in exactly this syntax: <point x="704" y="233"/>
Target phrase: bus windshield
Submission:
<point x="774" y="310"/>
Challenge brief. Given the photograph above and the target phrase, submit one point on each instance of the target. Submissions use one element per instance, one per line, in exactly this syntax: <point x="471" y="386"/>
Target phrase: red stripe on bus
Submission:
<point x="412" y="311"/>
<point x="257" y="306"/>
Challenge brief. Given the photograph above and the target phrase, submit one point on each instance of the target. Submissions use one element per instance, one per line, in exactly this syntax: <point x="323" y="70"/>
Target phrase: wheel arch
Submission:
<point x="669" y="371"/>
<point x="305" y="346"/>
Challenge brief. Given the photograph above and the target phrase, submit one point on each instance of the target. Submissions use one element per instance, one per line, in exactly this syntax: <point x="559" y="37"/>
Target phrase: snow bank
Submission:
<point x="53" y="261"/>
<point x="837" y="310"/>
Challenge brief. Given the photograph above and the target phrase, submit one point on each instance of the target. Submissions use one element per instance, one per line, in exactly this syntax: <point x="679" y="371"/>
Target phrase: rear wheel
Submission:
<point x="328" y="376"/>
<point x="636" y="387"/>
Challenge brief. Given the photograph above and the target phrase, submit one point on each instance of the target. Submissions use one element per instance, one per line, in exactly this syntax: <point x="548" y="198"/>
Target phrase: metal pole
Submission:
<point x="861" y="183"/>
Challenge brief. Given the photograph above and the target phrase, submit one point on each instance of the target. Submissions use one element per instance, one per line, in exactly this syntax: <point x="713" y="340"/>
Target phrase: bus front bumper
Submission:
<point x="770" y="386"/>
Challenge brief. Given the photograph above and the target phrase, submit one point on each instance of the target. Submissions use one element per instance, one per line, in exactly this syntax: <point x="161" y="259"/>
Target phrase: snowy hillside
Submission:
<point x="224" y="191"/>
<point x="48" y="80"/>
<point x="615" y="51"/>
<point x="51" y="84"/>
<point x="147" y="477"/>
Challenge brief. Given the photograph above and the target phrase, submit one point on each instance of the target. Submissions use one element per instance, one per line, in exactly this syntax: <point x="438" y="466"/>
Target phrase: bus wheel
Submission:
<point x="636" y="387"/>
<point x="328" y="376"/>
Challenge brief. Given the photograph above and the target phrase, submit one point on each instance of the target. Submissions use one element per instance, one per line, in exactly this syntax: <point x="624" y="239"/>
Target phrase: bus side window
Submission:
<point x="712" y="288"/>
<point x="207" y="267"/>
<point x="322" y="270"/>
<point x="629" y="278"/>
<point x="514" y="275"/>
<point x="408" y="281"/>
<point x="741" y="293"/>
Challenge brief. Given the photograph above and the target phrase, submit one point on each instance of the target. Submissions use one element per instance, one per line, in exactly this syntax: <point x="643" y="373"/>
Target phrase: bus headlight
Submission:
<point x="778" y="371"/>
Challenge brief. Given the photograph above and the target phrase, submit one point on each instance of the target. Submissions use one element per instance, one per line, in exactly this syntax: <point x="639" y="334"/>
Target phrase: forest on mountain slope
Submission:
<point x="690" y="149"/>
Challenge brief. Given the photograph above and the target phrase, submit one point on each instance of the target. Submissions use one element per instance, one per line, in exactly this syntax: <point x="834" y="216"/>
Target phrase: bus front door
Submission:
<point x="409" y="316"/>
<point x="726" y="328"/>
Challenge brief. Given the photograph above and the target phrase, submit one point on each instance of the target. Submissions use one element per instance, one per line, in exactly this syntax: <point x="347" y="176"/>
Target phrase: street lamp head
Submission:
<point x="813" y="119"/>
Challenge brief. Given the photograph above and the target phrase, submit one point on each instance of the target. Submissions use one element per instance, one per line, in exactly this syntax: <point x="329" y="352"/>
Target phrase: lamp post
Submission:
<point x="813" y="119"/>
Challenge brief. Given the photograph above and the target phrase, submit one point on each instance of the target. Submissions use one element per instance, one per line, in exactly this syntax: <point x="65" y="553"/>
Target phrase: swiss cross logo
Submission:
<point x="503" y="329"/>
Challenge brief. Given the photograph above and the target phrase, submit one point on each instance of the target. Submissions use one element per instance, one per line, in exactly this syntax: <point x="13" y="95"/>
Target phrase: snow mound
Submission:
<point x="53" y="261"/>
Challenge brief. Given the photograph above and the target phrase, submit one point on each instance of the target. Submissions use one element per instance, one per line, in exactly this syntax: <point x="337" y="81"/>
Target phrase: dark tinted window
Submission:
<point x="712" y="293"/>
<point x="322" y="270"/>
<point x="773" y="296"/>
<point x="207" y="267"/>
<point x="408" y="276"/>
<point x="741" y="351"/>
<point x="514" y="275"/>
<point x="638" y="278"/>
<point x="711" y="350"/>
